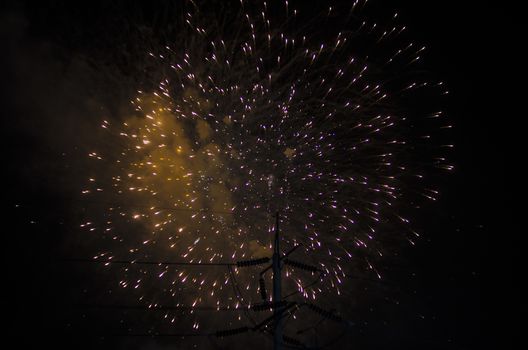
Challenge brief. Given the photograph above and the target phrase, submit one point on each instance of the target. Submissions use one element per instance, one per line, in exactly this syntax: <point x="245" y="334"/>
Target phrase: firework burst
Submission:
<point x="258" y="110"/>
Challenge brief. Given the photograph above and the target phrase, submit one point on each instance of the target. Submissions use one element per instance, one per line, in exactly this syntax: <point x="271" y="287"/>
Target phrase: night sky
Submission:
<point x="454" y="288"/>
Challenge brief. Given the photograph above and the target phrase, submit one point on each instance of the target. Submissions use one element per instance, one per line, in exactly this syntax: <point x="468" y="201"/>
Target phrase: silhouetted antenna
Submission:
<point x="279" y="305"/>
<point x="277" y="288"/>
<point x="301" y="265"/>
<point x="262" y="289"/>
<point x="325" y="313"/>
<point x="253" y="262"/>
<point x="268" y="305"/>
<point x="293" y="341"/>
<point x="230" y="332"/>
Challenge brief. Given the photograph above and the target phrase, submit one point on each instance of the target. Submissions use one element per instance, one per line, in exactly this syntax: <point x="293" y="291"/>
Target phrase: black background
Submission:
<point x="463" y="282"/>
